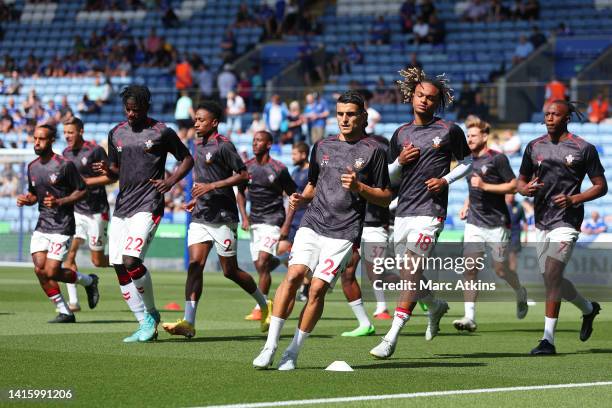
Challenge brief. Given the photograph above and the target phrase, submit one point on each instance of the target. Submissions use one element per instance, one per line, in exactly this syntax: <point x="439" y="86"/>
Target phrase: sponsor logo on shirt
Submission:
<point x="325" y="160"/>
<point x="359" y="163"/>
<point x="119" y="145"/>
<point x="569" y="160"/>
<point x="436" y="142"/>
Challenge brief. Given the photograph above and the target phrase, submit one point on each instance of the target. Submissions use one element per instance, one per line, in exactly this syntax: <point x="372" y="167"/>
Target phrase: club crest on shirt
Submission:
<point x="84" y="161"/>
<point x="569" y="160"/>
<point x="271" y="177"/>
<point x="484" y="169"/>
<point x="148" y="145"/>
<point x="208" y="157"/>
<point x="539" y="159"/>
<point x="436" y="142"/>
<point x="359" y="163"/>
<point x="325" y="160"/>
<point x="53" y="178"/>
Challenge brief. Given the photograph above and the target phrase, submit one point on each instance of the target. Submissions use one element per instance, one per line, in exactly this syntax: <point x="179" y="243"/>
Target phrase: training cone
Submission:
<point x="339" y="366"/>
<point x="173" y="306"/>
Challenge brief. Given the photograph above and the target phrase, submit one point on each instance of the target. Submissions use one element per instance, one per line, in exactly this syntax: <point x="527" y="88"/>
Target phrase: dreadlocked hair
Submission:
<point x="572" y="108"/>
<point x="415" y="76"/>
<point x="139" y="93"/>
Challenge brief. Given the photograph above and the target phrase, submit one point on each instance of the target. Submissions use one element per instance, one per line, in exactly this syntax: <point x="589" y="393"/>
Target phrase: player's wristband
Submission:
<point x="461" y="170"/>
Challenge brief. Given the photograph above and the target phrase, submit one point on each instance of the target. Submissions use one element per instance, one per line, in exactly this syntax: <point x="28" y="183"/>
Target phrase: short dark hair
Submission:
<point x="213" y="108"/>
<point x="353" y="97"/>
<point x="140" y="93"/>
<point x="267" y="134"/>
<point x="51" y="129"/>
<point x="301" y="147"/>
<point x="75" y="122"/>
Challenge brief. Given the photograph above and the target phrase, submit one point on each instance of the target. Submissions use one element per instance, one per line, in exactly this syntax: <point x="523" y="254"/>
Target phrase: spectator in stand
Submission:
<point x="234" y="110"/>
<point x="554" y="90"/>
<point x="382" y="93"/>
<point x="291" y="17"/>
<point x="243" y="17"/>
<point x="257" y="124"/>
<point x="355" y="55"/>
<point x="310" y="69"/>
<point x="14" y="85"/>
<point x="518" y="10"/>
<point x="598" y="109"/>
<point x="266" y="19"/>
<point x="6" y="121"/>
<point x="125" y="67"/>
<point x="12" y="107"/>
<point x="169" y="17"/>
<point x="374" y="116"/>
<point x="3" y="87"/>
<point x="31" y="66"/>
<point x="257" y="86"/>
<point x="30" y="104"/>
<point x="498" y="11"/>
<point x="532" y="10"/>
<point x="563" y="30"/>
<point x="476" y="10"/>
<point x="316" y="113"/>
<point x="64" y="111"/>
<point x="183" y="75"/>
<point x="9" y="184"/>
<point x="184" y="115"/>
<point x="380" y="33"/>
<point x="244" y="88"/>
<point x="426" y="9"/>
<point x="339" y="62"/>
<point x="480" y="108"/>
<point x="51" y="112"/>
<point x="294" y="132"/>
<point x="414" y="62"/>
<point x="523" y="49"/>
<point x="495" y="144"/>
<point x="595" y="226"/>
<point x="512" y="144"/>
<point x="537" y="38"/>
<point x="228" y="46"/>
<point x="437" y="30"/>
<point x="87" y="106"/>
<point x="153" y="46"/>
<point x="407" y="13"/>
<point x="420" y="31"/>
<point x="275" y="117"/>
<point x="100" y="93"/>
<point x="205" y="82"/>
<point x="226" y="82"/>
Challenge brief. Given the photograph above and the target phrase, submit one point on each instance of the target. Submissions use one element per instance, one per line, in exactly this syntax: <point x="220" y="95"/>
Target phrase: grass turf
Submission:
<point x="215" y="366"/>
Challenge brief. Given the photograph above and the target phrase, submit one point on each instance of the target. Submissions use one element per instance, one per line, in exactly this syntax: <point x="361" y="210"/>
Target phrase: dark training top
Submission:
<point x="561" y="167"/>
<point x="336" y="212"/>
<point x="438" y="142"/>
<point x="377" y="216"/>
<point x="489" y="209"/>
<point x="141" y="156"/>
<point x="60" y="178"/>
<point x="95" y="202"/>
<point x="216" y="159"/>
<point x="300" y="178"/>
<point x="265" y="191"/>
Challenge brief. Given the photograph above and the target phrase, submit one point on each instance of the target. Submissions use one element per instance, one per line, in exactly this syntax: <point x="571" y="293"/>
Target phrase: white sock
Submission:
<point x="581" y="303"/>
<point x="298" y="341"/>
<point x="191" y="306"/>
<point x="428" y="300"/>
<point x="276" y="325"/>
<point x="470" y="310"/>
<point x="83" y="279"/>
<point x="260" y="299"/>
<point x="550" y="324"/>
<point x="257" y="305"/>
<point x="60" y="304"/>
<point x="399" y="320"/>
<point x="73" y="293"/>
<point x="381" y="304"/>
<point x="360" y="313"/>
<point x="144" y="284"/>
<point x="133" y="299"/>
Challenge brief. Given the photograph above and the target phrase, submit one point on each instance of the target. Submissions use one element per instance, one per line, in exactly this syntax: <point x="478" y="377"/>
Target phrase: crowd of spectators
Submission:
<point x="422" y="21"/>
<point x="496" y="10"/>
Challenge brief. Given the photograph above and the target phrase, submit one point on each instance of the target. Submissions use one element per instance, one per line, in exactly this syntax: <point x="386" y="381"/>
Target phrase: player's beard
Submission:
<point x="42" y="152"/>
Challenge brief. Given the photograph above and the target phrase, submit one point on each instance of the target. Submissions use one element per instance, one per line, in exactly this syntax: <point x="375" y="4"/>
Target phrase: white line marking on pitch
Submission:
<point x="411" y="395"/>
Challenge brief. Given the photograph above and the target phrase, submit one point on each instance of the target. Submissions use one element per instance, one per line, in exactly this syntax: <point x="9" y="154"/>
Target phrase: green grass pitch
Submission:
<point x="215" y="366"/>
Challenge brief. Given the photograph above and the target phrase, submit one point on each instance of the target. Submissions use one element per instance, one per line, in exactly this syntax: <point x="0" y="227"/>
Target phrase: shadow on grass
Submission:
<point x="208" y="339"/>
<point x="496" y="355"/>
<point x="106" y="321"/>
<point x="415" y="364"/>
<point x="528" y="331"/>
<point x="6" y="313"/>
